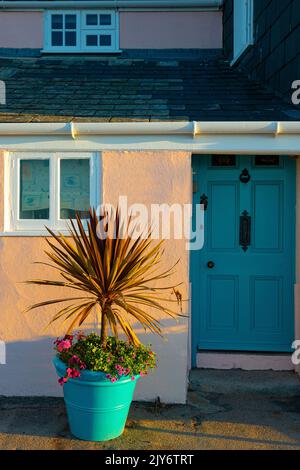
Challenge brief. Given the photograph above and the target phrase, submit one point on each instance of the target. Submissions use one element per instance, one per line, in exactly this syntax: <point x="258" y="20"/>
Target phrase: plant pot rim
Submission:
<point x="90" y="375"/>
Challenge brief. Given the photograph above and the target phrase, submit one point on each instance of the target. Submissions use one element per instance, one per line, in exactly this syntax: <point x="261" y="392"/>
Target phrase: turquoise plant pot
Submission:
<point x="97" y="409"/>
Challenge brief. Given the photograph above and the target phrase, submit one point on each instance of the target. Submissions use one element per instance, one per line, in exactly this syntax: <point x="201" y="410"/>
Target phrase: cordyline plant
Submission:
<point x="114" y="276"/>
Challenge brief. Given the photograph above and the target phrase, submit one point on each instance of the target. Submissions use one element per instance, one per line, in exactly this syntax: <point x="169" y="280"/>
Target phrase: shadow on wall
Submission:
<point x="29" y="371"/>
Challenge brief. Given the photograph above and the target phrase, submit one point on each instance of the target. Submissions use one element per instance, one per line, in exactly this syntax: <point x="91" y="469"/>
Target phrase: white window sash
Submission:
<point x="12" y="221"/>
<point x="81" y="31"/>
<point x="16" y="222"/>
<point x="84" y="14"/>
<point x="98" y="47"/>
<point x="48" y="31"/>
<point x="94" y="183"/>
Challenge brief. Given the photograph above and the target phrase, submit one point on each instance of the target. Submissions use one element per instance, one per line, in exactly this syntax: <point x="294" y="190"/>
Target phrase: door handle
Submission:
<point x="204" y="201"/>
<point x="211" y="265"/>
<point x="245" y="230"/>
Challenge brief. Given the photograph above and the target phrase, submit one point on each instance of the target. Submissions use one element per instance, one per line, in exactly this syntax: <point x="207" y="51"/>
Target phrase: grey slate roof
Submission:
<point x="135" y="87"/>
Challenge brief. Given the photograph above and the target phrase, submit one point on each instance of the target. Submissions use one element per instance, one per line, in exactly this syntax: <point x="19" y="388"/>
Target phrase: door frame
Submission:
<point x="192" y="338"/>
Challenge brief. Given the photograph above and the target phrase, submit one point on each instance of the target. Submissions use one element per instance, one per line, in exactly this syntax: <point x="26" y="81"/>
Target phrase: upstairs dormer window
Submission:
<point x="81" y="31"/>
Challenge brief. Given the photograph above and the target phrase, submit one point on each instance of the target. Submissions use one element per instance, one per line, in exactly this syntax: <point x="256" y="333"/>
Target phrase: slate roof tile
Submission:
<point x="116" y="88"/>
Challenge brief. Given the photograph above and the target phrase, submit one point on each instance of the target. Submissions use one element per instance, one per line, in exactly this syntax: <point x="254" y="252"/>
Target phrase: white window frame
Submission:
<point x="85" y="48"/>
<point x="82" y="31"/>
<point x="12" y="222"/>
<point x="111" y="26"/>
<point x="243" y="27"/>
<point x="48" y="32"/>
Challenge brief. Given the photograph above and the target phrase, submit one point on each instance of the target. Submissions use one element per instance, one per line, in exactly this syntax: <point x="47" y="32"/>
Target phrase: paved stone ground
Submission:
<point x="226" y="410"/>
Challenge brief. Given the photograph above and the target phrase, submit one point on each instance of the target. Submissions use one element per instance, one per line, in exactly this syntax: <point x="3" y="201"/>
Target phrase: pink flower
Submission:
<point x="133" y="378"/>
<point x="74" y="360"/>
<point x="62" y="381"/>
<point x="113" y="380"/>
<point x="72" y="373"/>
<point x="64" y="344"/>
<point x="120" y="369"/>
<point x="108" y="376"/>
<point x="77" y="361"/>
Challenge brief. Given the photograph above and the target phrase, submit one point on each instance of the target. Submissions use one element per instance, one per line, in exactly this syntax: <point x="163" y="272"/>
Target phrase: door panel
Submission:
<point x="224" y="200"/>
<point x="244" y="300"/>
<point x="267" y="215"/>
<point x="266" y="316"/>
<point x="222" y="290"/>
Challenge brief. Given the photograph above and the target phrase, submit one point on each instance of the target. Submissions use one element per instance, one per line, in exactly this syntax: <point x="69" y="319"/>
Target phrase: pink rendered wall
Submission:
<point x="151" y="177"/>
<point x="138" y="30"/>
<point x="170" y="30"/>
<point x="21" y="29"/>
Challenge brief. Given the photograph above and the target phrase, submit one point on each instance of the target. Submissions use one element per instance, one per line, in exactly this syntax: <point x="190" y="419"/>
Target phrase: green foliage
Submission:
<point x="118" y="359"/>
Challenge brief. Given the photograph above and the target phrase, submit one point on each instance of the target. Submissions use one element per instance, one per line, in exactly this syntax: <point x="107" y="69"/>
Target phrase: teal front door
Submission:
<point x="243" y="278"/>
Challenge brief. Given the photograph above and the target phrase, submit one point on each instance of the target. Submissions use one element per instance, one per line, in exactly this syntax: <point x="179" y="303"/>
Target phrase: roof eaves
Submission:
<point x="120" y="4"/>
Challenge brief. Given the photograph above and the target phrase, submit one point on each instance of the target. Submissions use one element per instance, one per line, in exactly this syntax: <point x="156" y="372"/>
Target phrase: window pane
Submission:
<point x="267" y="160"/>
<point x="74" y="187"/>
<point x="57" y="21"/>
<point x="105" y="40"/>
<point x="70" y="38"/>
<point x="223" y="160"/>
<point x="105" y="19"/>
<point x="57" y="38"/>
<point x="34" y="189"/>
<point x="70" y="22"/>
<point x="92" y="40"/>
<point x="92" y="20"/>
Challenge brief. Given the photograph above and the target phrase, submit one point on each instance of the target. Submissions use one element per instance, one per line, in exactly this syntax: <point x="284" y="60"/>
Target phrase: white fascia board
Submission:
<point x="214" y="144"/>
<point x="137" y="128"/>
<point x="12" y="5"/>
<point x="281" y="138"/>
<point x="192" y="129"/>
<point x="35" y="129"/>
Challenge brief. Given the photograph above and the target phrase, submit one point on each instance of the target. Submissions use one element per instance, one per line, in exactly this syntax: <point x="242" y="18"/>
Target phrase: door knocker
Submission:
<point x="245" y="176"/>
